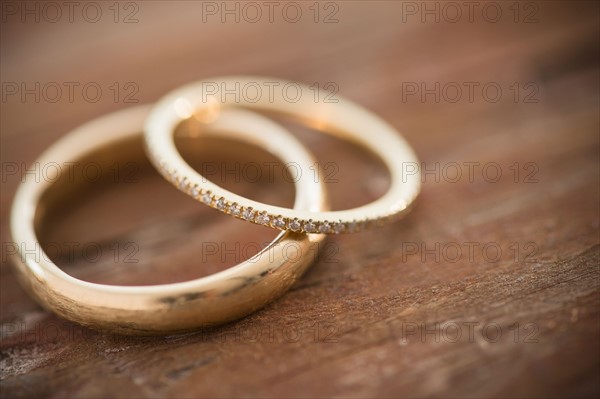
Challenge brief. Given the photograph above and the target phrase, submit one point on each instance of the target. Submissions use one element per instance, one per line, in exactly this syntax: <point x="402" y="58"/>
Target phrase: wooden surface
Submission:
<point x="388" y="313"/>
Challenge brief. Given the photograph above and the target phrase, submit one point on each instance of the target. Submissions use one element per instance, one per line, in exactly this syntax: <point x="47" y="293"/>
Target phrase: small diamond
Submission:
<point x="183" y="184"/>
<point x="221" y="204"/>
<point x="295" y="225"/>
<point x="195" y="191"/>
<point x="207" y="198"/>
<point x="235" y="210"/>
<point x="263" y="218"/>
<point x="352" y="226"/>
<point x="324" y="228"/>
<point x="339" y="227"/>
<point x="248" y="214"/>
<point x="310" y="227"/>
<point x="279" y="223"/>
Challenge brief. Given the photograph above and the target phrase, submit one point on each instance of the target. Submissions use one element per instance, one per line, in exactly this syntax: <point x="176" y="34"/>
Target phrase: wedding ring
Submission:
<point x="168" y="308"/>
<point x="205" y="100"/>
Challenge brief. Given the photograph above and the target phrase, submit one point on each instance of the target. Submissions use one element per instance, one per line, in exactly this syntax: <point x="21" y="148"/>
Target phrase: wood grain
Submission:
<point x="395" y="312"/>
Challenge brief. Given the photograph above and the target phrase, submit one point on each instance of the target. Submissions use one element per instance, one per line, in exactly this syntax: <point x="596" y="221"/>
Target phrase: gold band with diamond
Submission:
<point x="206" y="99"/>
<point x="155" y="309"/>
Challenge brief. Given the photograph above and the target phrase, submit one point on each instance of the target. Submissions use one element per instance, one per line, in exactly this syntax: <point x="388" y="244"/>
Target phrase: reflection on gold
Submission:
<point x="321" y="116"/>
<point x="183" y="108"/>
<point x="209" y="112"/>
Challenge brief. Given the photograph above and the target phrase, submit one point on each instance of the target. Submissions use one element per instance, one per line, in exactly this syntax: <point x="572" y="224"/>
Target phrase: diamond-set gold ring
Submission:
<point x="342" y="118"/>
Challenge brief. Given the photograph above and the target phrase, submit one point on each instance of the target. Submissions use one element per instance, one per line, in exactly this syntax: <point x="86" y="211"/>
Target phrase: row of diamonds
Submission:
<point x="262" y="217"/>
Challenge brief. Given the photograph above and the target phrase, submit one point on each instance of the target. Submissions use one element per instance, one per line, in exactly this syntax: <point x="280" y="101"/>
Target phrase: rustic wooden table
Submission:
<point x="489" y="288"/>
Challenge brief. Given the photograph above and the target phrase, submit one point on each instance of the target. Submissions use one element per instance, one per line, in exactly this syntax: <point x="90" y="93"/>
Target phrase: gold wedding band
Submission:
<point x="168" y="308"/>
<point x="344" y="119"/>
